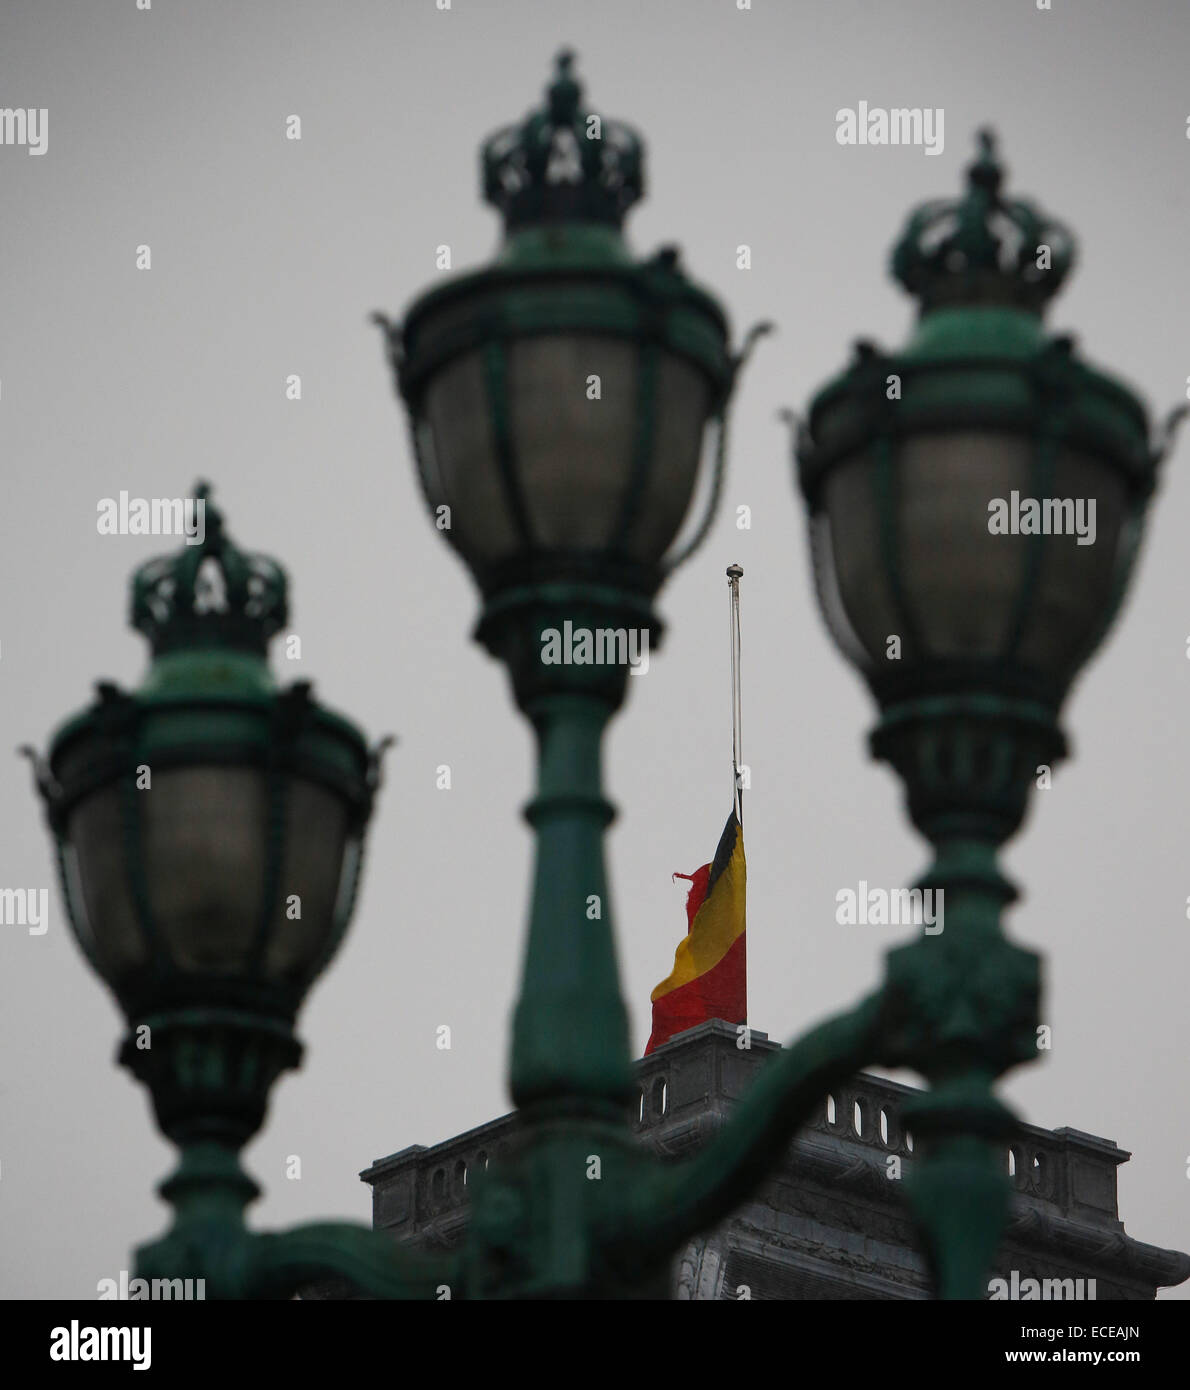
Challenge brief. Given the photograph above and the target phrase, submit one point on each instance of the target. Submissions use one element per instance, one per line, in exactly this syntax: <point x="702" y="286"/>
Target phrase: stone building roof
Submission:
<point x="830" y="1223"/>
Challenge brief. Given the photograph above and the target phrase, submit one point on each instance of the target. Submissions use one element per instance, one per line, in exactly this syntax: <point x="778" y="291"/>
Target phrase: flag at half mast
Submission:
<point x="710" y="976"/>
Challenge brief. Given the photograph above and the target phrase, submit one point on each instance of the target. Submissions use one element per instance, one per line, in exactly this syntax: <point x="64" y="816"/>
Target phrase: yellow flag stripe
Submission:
<point x="718" y="923"/>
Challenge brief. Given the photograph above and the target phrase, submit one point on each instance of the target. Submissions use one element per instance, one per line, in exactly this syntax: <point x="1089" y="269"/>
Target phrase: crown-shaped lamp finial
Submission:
<point x="983" y="248"/>
<point x="561" y="163"/>
<point x="209" y="594"/>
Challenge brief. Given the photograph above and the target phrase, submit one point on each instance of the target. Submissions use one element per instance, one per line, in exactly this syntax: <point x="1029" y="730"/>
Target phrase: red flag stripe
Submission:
<point x="716" y="994"/>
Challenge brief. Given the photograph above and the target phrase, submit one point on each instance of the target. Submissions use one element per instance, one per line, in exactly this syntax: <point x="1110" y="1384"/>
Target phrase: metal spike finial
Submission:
<point x="565" y="91"/>
<point x="986" y="171"/>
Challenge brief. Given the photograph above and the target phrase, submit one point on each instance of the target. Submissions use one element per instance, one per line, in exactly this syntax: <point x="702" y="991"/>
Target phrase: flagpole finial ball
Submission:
<point x="734" y="572"/>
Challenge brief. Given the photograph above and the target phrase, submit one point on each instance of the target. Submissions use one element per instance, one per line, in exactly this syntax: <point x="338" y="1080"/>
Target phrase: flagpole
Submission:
<point x="734" y="575"/>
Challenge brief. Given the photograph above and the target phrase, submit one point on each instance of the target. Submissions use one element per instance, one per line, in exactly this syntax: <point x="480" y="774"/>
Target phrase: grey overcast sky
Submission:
<point x="167" y="128"/>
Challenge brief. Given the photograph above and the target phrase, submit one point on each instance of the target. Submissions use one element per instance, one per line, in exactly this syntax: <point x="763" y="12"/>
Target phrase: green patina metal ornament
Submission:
<point x="901" y="462"/>
<point x="969" y="635"/>
<point x="209" y="828"/>
<point x="558" y="401"/>
<point x="208" y="756"/>
<point x="904" y="453"/>
<point x="565" y="331"/>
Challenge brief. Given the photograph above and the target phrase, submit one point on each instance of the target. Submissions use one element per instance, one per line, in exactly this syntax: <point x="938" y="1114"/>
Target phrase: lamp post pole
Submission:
<point x="570" y="1027"/>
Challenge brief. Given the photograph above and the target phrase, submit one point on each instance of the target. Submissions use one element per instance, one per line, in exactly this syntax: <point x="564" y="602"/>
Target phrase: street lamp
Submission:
<point x="968" y="621"/>
<point x="209" y="826"/>
<point x="559" y="397"/>
<point x="209" y="829"/>
<point x="968" y="626"/>
<point x="558" y="402"/>
<point x="908" y="450"/>
<point x="975" y="505"/>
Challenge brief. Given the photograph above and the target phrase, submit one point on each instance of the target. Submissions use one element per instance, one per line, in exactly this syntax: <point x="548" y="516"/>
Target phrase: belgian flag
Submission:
<point x="709" y="978"/>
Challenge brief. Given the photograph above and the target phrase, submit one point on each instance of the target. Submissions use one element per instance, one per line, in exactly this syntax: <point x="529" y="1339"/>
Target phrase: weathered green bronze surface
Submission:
<point x="208" y="1042"/>
<point x="968" y="731"/>
<point x="578" y="1209"/>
